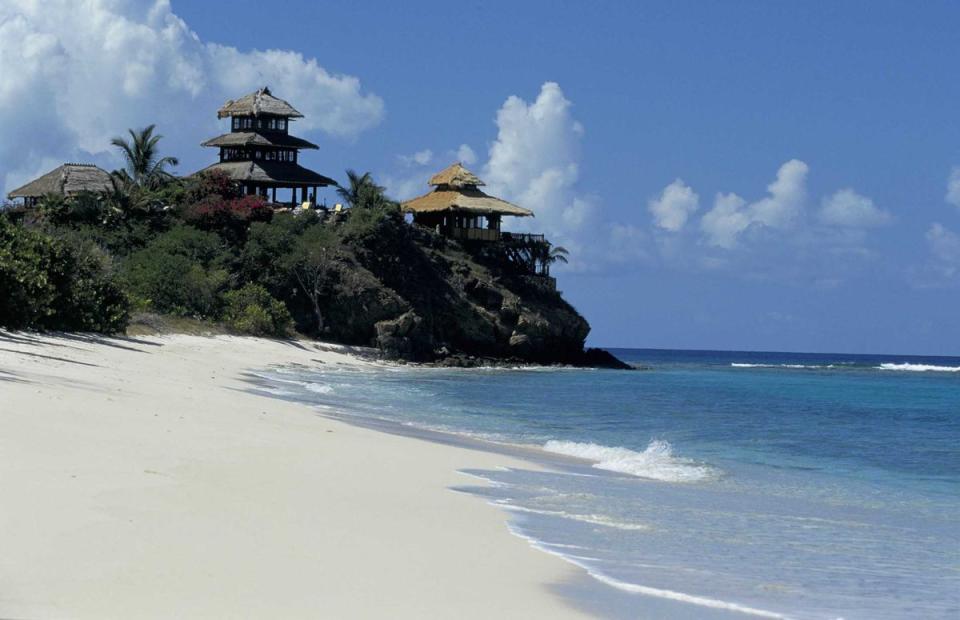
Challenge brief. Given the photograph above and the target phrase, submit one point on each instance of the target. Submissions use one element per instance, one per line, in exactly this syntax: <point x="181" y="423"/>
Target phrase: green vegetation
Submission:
<point x="145" y="167"/>
<point x="195" y="252"/>
<point x="57" y="283"/>
<point x="252" y="310"/>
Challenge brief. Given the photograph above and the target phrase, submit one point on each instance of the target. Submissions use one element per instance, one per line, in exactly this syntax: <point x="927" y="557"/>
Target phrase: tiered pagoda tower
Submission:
<point x="259" y="152"/>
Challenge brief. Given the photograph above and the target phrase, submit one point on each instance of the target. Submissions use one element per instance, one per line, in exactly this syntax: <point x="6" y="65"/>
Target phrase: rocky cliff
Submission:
<point x="421" y="297"/>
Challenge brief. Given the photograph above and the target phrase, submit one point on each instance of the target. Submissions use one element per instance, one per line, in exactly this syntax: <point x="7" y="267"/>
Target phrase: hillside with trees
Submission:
<point x="156" y="246"/>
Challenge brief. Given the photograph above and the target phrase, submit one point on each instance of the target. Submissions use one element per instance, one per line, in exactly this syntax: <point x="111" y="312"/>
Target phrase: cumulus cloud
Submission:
<point x="731" y="215"/>
<point x="534" y="161"/>
<point x="420" y="158"/>
<point x="676" y="203"/>
<point x="74" y="74"/>
<point x="465" y="155"/>
<point x="953" y="187"/>
<point x="847" y="208"/>
<point x="945" y="247"/>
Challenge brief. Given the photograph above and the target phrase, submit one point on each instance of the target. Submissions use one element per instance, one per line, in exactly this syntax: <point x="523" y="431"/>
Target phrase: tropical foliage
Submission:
<point x="54" y="283"/>
<point x="145" y="167"/>
<point x="362" y="192"/>
<point x="197" y="248"/>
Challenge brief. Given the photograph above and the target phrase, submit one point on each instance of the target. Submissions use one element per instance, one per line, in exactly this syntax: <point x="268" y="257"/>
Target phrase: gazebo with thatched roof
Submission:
<point x="458" y="208"/>
<point x="260" y="154"/>
<point x="65" y="180"/>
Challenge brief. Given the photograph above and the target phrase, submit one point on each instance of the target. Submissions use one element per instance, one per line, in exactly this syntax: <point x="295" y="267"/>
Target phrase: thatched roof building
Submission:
<point x="66" y="180"/>
<point x="259" y="152"/>
<point x="458" y="208"/>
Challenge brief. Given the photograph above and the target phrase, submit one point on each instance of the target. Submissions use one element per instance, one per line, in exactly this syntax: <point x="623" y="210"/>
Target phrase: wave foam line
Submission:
<point x="656" y="462"/>
<point x="918" y="367"/>
<point x="791" y="366"/>
<point x="592" y="519"/>
<point x="685" y="598"/>
<point x="634" y="588"/>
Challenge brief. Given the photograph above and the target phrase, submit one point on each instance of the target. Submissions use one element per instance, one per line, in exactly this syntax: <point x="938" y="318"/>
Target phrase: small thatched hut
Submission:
<point x="66" y="180"/>
<point x="458" y="208"/>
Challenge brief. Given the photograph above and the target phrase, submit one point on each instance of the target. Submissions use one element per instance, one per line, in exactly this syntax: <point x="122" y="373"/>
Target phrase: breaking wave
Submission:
<point x="792" y="366"/>
<point x="656" y="462"/>
<point x="318" y="388"/>
<point x="918" y="367"/>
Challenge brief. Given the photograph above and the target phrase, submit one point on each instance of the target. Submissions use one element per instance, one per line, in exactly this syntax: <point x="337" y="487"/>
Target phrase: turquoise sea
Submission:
<point x="705" y="483"/>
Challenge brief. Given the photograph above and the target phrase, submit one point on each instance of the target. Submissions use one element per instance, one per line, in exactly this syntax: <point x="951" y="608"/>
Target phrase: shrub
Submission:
<point x="87" y="297"/>
<point x="252" y="310"/>
<point x="181" y="272"/>
<point x="210" y="184"/>
<point x="54" y="284"/>
<point x="229" y="217"/>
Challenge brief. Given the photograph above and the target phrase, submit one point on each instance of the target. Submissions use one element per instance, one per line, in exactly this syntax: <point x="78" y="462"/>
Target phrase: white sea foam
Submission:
<point x="592" y="519"/>
<point x="918" y="367"/>
<point x="645" y="590"/>
<point x="685" y="598"/>
<point x="318" y="388"/>
<point x="656" y="461"/>
<point x="791" y="366"/>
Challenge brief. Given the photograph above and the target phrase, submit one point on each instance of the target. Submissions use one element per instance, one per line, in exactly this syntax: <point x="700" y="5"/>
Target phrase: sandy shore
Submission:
<point x="139" y="479"/>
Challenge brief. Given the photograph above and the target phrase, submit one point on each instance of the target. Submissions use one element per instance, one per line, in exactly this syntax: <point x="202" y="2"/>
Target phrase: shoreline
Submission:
<point x="149" y="482"/>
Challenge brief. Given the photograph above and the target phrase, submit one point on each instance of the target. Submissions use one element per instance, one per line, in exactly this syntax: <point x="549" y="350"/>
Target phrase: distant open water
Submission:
<point x="764" y="484"/>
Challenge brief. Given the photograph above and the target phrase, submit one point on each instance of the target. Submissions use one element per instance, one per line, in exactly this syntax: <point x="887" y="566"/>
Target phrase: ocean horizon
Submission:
<point x="727" y="483"/>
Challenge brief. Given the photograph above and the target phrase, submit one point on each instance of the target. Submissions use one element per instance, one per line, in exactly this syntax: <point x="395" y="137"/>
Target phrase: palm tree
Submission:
<point x="363" y="192"/>
<point x="145" y="167"/>
<point x="556" y="254"/>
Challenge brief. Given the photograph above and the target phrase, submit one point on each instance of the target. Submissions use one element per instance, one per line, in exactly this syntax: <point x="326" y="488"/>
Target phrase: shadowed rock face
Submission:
<point x="432" y="299"/>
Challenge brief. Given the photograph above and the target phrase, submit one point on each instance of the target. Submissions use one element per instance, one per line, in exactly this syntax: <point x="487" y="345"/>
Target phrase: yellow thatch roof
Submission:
<point x="456" y="175"/>
<point x="470" y="200"/>
<point x="457" y="190"/>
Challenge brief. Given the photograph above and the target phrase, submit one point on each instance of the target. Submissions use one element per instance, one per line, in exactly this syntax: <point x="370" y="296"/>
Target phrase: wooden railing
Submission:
<point x="475" y="234"/>
<point x="524" y="237"/>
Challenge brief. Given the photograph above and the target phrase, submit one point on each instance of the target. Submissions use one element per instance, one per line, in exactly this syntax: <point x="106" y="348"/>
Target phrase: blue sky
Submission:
<point x="590" y="113"/>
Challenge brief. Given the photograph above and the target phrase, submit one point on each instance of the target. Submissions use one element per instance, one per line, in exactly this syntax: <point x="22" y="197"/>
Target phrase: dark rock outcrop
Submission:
<point x="601" y="358"/>
<point x="432" y="299"/>
<point x="404" y="338"/>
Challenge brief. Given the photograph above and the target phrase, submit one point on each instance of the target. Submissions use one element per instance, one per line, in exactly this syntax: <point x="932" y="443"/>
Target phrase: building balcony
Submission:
<point x="473" y="234"/>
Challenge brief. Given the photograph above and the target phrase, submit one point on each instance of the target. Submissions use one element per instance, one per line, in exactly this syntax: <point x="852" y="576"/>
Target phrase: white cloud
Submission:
<point x="466" y="156"/>
<point x="535" y="162"/>
<point x="677" y="202"/>
<point x="953" y="187"/>
<point x="847" y="208"/>
<point x="945" y="246"/>
<point x="74" y="74"/>
<point x="731" y="215"/>
<point x="420" y="158"/>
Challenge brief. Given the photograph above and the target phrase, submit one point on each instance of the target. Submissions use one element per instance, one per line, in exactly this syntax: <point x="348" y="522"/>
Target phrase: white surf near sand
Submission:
<point x="141" y="479"/>
<point x="656" y="462"/>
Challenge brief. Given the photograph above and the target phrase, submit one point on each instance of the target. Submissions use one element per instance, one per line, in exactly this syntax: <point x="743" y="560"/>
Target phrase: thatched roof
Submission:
<point x="68" y="179"/>
<point x="470" y="200"/>
<point x="270" y="172"/>
<point x="252" y="138"/>
<point x="456" y="175"/>
<point x="457" y="190"/>
<point x="256" y="104"/>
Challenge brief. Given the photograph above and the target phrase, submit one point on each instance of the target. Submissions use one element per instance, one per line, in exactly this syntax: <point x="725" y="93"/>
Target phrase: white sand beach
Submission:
<point x="140" y="479"/>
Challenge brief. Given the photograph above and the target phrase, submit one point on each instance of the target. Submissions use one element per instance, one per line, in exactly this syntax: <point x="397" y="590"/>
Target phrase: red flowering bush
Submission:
<point x="230" y="218"/>
<point x="211" y="184"/>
